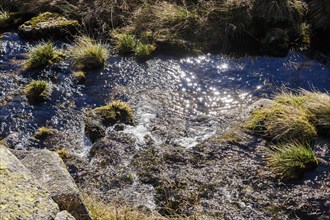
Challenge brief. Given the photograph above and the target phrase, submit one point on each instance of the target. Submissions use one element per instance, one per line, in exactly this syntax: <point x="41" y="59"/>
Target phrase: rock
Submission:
<point x="254" y="106"/>
<point x="22" y="197"/>
<point x="50" y="170"/>
<point x="100" y="118"/>
<point x="48" y="25"/>
<point x="94" y="129"/>
<point x="64" y="215"/>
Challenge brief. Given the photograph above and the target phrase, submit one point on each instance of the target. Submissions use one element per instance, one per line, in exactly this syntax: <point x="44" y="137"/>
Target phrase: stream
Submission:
<point x="178" y="102"/>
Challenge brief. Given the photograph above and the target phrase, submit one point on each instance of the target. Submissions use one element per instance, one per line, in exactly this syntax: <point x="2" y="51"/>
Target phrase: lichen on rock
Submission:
<point x="50" y="170"/>
<point x="22" y="197"/>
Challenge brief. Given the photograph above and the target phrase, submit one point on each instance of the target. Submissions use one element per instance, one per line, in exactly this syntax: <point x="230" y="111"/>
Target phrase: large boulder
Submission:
<point x="50" y="170"/>
<point x="21" y="196"/>
<point x="48" y="25"/>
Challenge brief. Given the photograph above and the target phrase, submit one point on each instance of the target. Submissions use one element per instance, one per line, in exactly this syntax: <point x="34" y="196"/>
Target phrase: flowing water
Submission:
<point x="176" y="101"/>
<point x="206" y="89"/>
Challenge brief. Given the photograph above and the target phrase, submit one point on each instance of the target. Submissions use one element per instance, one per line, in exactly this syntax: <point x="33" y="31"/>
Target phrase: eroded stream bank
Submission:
<point x="173" y="159"/>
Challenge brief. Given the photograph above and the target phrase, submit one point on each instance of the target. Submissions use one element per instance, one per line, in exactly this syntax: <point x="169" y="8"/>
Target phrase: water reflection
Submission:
<point x="210" y="85"/>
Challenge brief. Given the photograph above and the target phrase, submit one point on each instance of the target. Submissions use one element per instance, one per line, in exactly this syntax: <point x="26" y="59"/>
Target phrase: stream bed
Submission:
<point x="178" y="105"/>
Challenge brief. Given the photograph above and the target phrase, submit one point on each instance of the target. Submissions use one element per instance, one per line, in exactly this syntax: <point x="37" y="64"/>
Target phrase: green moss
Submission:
<point x="49" y="19"/>
<point x="41" y="55"/>
<point x="290" y="162"/>
<point x="86" y="53"/>
<point x="116" y="111"/>
<point x="37" y="91"/>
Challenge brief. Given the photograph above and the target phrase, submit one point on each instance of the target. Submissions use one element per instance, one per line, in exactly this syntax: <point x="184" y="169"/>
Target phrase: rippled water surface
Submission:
<point x="177" y="103"/>
<point x="211" y="86"/>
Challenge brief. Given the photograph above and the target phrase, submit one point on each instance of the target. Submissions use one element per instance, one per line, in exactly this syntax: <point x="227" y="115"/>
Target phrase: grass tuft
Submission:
<point x="41" y="55"/>
<point x="43" y="132"/>
<point x="38" y="91"/>
<point x="291" y="161"/>
<point x="318" y="104"/>
<point x="315" y="104"/>
<point x="102" y="211"/>
<point x="79" y="76"/>
<point x="87" y="53"/>
<point x="116" y="111"/>
<point x="143" y="50"/>
<point x="63" y="153"/>
<point x="125" y="43"/>
<point x="4" y="17"/>
<point x="281" y="122"/>
<point x="297" y="116"/>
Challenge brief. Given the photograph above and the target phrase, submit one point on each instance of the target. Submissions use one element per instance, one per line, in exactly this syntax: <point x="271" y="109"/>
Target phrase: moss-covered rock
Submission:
<point x="22" y="197"/>
<point x="102" y="117"/>
<point x="48" y="25"/>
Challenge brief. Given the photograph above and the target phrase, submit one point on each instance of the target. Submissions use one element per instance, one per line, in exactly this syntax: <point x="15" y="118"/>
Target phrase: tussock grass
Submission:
<point x="79" y="75"/>
<point x="280" y="122"/>
<point x="125" y="43"/>
<point x="110" y="211"/>
<point x="41" y="55"/>
<point x="318" y="104"/>
<point x="87" y="53"/>
<point x="143" y="50"/>
<point x="63" y="153"/>
<point x="291" y="161"/>
<point x="297" y="116"/>
<point x="4" y="17"/>
<point x="166" y="20"/>
<point x="279" y="10"/>
<point x="37" y="91"/>
<point x="102" y="211"/>
<point x="315" y="104"/>
<point x="43" y="132"/>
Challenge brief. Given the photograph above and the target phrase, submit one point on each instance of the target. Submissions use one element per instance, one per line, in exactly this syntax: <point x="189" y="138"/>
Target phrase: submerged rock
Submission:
<point x="48" y="25"/>
<point x="50" y="170"/>
<point x="22" y="197"/>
